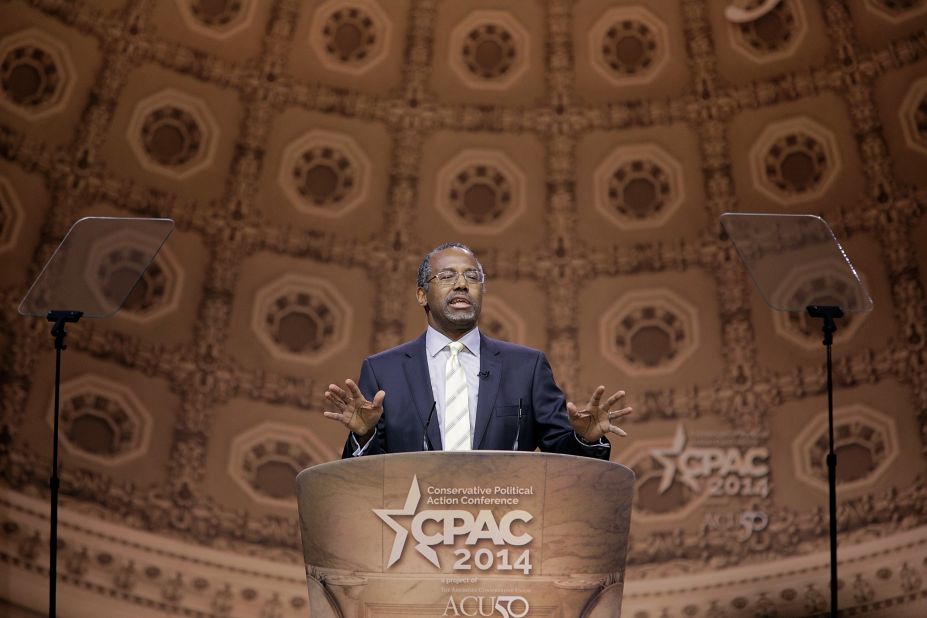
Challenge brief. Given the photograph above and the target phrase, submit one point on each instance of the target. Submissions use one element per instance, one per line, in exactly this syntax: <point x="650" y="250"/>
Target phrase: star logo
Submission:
<point x="668" y="458"/>
<point x="402" y="534"/>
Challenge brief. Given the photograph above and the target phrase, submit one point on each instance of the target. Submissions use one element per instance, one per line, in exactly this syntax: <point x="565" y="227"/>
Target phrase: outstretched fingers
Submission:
<point x="618" y="431"/>
<point x="337" y="395"/>
<point x="351" y="408"/>
<point x="601" y="414"/>
<point x="354" y="390"/>
<point x="611" y="401"/>
<point x="596" y="398"/>
<point x="341" y="400"/>
<point x="623" y="412"/>
<point x="341" y="417"/>
<point x="574" y="412"/>
<point x="335" y="416"/>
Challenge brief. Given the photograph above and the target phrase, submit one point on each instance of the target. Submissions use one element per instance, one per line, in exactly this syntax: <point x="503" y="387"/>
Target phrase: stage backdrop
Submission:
<point x="310" y="153"/>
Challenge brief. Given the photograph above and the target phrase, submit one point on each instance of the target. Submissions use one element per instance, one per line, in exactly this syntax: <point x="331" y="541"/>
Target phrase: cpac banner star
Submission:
<point x="449" y="526"/>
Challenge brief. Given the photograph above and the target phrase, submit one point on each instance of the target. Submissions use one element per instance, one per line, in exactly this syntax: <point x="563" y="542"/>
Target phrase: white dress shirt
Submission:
<point x="436" y="347"/>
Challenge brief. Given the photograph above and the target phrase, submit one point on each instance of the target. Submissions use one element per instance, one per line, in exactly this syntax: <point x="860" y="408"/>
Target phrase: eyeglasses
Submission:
<point x="449" y="277"/>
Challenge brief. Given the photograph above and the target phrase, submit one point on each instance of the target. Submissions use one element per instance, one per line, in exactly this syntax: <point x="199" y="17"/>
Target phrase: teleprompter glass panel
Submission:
<point x="96" y="266"/>
<point x="781" y="250"/>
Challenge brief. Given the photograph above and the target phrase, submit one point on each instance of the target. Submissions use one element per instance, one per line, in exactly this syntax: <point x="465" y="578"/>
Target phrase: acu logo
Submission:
<point x="507" y="606"/>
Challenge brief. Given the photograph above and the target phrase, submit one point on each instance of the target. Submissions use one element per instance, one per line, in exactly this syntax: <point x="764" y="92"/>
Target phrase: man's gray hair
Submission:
<point x="424" y="271"/>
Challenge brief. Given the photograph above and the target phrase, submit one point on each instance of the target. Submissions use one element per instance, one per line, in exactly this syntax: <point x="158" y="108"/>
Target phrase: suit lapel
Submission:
<point x="415" y="367"/>
<point x="491" y="367"/>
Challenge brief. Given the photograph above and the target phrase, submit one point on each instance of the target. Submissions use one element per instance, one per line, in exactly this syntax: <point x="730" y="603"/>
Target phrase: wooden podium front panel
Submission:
<point x="429" y="531"/>
<point x="337" y="523"/>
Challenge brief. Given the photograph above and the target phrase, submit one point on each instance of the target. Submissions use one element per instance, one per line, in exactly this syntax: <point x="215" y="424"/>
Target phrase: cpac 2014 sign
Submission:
<point x="431" y="528"/>
<point x="728" y="464"/>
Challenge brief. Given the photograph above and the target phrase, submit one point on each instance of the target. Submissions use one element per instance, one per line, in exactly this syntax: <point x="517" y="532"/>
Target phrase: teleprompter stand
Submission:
<point x="784" y="254"/>
<point x="60" y="318"/>
<point x="829" y="313"/>
<point x="90" y="274"/>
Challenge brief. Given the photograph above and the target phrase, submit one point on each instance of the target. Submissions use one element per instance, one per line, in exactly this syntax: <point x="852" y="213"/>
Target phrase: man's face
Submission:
<point x="454" y="308"/>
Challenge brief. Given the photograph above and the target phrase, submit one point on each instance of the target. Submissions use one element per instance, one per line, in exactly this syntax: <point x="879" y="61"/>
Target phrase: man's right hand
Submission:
<point x="354" y="411"/>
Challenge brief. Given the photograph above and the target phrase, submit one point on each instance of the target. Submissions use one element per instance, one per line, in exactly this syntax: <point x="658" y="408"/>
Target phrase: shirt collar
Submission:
<point x="435" y="341"/>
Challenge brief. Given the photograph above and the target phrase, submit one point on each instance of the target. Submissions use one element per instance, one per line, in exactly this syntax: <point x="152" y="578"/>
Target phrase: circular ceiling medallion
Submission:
<point x="350" y="36"/>
<point x="480" y="191"/>
<point x="102" y="421"/>
<point x="794" y="160"/>
<point x="628" y="45"/>
<point x="773" y="34"/>
<point x="324" y="173"/>
<point x="301" y="318"/>
<point x="173" y="134"/>
<point x="638" y="186"/>
<point x="865" y="441"/>
<point x="489" y="50"/>
<point x="265" y="460"/>
<point x="649" y="332"/>
<point x="218" y="19"/>
<point x="36" y="74"/>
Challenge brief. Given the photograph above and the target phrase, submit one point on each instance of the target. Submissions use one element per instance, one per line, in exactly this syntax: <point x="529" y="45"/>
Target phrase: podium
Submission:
<point x="483" y="533"/>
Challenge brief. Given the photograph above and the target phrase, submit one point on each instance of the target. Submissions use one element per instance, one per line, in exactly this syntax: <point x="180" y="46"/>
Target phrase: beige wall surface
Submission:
<point x="311" y="152"/>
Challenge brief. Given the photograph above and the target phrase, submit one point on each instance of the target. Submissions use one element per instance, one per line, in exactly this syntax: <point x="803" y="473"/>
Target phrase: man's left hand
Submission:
<point x="596" y="419"/>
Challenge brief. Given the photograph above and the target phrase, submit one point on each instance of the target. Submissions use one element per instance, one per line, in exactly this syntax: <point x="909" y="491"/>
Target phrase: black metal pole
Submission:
<point x="832" y="485"/>
<point x="60" y="318"/>
<point x="829" y="327"/>
<point x="54" y="484"/>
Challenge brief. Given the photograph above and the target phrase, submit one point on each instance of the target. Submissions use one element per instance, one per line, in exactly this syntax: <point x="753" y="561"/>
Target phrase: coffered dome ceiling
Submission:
<point x="310" y="152"/>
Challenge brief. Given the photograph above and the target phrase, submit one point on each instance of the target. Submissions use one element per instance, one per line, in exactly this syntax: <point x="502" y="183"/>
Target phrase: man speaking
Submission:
<point x="455" y="389"/>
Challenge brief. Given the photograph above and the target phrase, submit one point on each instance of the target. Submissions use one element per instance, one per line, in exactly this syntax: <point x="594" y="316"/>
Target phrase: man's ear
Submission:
<point x="421" y="298"/>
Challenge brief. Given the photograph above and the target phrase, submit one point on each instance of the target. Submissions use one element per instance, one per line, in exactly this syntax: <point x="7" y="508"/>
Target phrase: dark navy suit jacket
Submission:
<point x="510" y="374"/>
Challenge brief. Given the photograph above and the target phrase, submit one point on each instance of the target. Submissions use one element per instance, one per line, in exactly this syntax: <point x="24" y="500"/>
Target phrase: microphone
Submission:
<point x="517" y="427"/>
<point x="482" y="374"/>
<point x="426" y="443"/>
